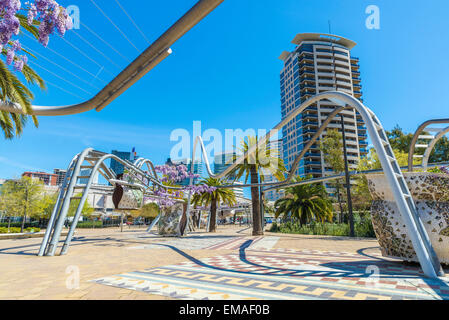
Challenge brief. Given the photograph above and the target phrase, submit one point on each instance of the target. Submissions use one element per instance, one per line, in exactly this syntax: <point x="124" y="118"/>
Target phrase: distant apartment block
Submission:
<point x="60" y="175"/>
<point x="48" y="179"/>
<point x="221" y="162"/>
<point x="116" y="166"/>
<point x="319" y="63"/>
<point x="274" y="195"/>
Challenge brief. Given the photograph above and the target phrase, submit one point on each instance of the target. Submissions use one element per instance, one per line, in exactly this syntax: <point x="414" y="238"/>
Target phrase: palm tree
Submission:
<point x="12" y="90"/>
<point x="220" y="195"/>
<point x="305" y="202"/>
<point x="255" y="166"/>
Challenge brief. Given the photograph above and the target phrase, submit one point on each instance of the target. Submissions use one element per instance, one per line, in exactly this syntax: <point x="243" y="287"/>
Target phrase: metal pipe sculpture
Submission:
<point x="423" y="247"/>
<point x="429" y="147"/>
<point x="150" y="58"/>
<point x="96" y="165"/>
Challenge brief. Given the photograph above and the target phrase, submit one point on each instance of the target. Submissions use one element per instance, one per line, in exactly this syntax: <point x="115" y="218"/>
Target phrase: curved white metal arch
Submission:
<point x="60" y="210"/>
<point x="431" y="146"/>
<point x="151" y="57"/>
<point x="416" y="136"/>
<point x="421" y="242"/>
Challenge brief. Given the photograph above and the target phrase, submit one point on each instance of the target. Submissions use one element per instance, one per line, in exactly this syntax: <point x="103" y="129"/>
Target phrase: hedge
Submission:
<point x="363" y="228"/>
<point x="17" y="230"/>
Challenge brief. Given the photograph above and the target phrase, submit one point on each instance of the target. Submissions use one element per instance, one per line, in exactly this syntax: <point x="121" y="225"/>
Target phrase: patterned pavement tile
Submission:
<point x="210" y="243"/>
<point x="267" y="273"/>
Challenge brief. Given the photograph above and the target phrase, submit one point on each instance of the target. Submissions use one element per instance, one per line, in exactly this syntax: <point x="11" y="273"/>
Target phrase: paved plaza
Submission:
<point x="230" y="264"/>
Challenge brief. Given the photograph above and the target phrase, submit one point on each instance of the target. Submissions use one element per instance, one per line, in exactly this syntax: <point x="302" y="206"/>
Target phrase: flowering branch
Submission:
<point x="48" y="15"/>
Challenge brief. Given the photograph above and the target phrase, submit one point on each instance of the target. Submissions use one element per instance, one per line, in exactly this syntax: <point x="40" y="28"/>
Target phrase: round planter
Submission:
<point x="430" y="193"/>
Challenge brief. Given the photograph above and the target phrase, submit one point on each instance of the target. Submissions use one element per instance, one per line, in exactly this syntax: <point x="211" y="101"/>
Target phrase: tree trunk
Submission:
<point x="9" y="223"/>
<point x="23" y="221"/>
<point x="303" y="220"/>
<point x="255" y="197"/>
<point x="213" y="215"/>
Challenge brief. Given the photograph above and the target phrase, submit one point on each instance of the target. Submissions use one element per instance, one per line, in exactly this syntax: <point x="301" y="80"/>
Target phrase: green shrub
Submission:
<point x="17" y="230"/>
<point x="19" y="224"/>
<point x="90" y="224"/>
<point x="363" y="228"/>
<point x="11" y="230"/>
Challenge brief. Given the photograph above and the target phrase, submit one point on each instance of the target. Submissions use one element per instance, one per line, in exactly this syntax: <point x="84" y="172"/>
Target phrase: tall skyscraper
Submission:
<point x="319" y="63"/>
<point x="116" y="166"/>
<point x="221" y="162"/>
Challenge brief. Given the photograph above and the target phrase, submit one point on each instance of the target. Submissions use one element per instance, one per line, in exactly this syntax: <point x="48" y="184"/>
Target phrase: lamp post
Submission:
<point x="348" y="180"/>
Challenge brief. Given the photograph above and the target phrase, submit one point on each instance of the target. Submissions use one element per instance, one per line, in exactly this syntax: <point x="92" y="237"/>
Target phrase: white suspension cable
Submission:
<point x="59" y="77"/>
<point x="85" y="54"/>
<point x="59" y="66"/>
<point x="121" y="32"/>
<point x="60" y="55"/>
<point x="62" y="89"/>
<point x="93" y="47"/>
<point x="105" y="42"/>
<point x="133" y="22"/>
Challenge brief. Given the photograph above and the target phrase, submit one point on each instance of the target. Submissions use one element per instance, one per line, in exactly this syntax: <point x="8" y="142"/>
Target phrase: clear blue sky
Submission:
<point x="225" y="72"/>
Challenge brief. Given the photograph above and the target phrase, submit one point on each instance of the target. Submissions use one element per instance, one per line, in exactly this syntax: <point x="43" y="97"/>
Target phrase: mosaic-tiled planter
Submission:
<point x="172" y="221"/>
<point x="430" y="192"/>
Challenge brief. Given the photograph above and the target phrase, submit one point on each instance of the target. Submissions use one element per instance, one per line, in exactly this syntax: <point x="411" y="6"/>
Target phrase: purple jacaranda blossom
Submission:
<point x="10" y="56"/>
<point x="48" y="14"/>
<point x="172" y="175"/>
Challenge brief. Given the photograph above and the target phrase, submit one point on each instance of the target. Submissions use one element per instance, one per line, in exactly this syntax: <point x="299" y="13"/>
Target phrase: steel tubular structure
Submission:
<point x="429" y="147"/>
<point x="96" y="164"/>
<point x="150" y="58"/>
<point x="421" y="242"/>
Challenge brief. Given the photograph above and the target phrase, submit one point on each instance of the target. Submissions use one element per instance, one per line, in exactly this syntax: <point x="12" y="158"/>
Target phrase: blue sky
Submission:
<point x="225" y="72"/>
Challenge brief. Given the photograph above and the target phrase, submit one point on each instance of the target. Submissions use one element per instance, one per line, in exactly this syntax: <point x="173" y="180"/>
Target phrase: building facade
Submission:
<point x="274" y="195"/>
<point x="116" y="166"/>
<point x="60" y="175"/>
<point x="48" y="179"/>
<point x="319" y="63"/>
<point x="221" y="162"/>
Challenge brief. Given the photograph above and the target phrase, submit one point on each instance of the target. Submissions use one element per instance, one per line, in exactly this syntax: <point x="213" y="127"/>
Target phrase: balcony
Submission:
<point x="313" y="171"/>
<point x="307" y="87"/>
<point x="307" y="79"/>
<point x="311" y="72"/>
<point x="313" y="163"/>
<point x="306" y="131"/>
<point x="307" y="116"/>
<point x="310" y="123"/>
<point x="310" y="65"/>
